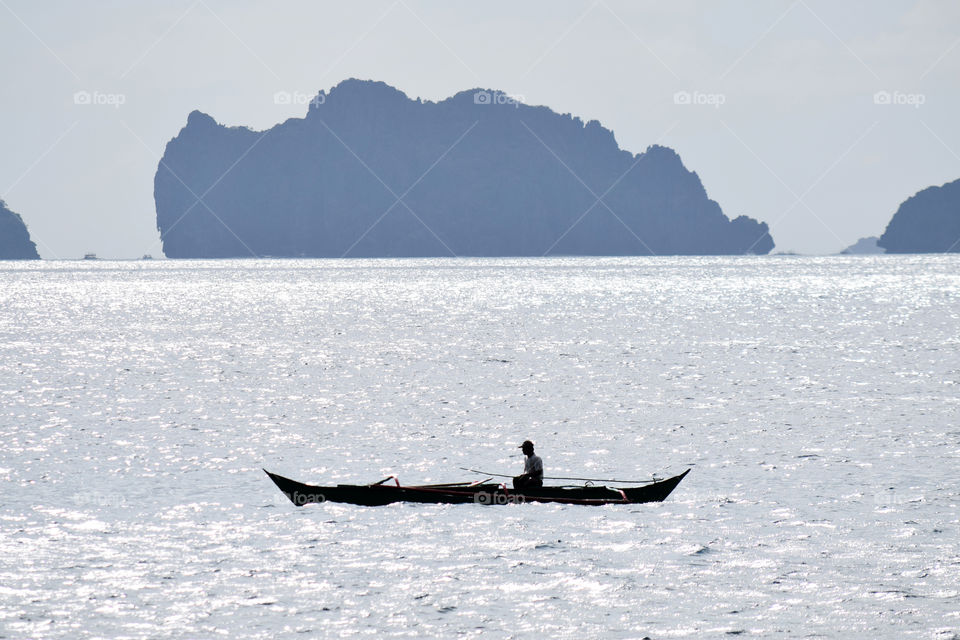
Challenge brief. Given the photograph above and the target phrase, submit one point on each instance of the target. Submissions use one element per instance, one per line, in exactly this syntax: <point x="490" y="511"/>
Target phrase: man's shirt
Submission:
<point x="534" y="466"/>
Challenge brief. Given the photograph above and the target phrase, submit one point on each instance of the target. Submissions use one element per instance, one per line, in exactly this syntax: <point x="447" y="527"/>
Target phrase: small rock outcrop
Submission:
<point x="863" y="246"/>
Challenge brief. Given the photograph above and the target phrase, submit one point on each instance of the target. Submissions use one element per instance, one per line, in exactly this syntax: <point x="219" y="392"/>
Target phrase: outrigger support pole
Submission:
<point x="503" y="475"/>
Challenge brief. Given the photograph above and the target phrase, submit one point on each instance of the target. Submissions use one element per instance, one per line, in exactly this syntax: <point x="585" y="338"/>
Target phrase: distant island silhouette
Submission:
<point x="927" y="222"/>
<point x="15" y="242"/>
<point x="863" y="246"/>
<point x="369" y="172"/>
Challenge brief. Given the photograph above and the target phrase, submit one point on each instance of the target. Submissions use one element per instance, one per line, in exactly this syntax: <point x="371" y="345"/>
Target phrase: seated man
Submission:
<point x="532" y="476"/>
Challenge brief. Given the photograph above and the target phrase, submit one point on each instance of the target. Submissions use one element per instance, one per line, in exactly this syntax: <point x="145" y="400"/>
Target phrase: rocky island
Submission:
<point x="15" y="242"/>
<point x="927" y="222"/>
<point x="369" y="172"/>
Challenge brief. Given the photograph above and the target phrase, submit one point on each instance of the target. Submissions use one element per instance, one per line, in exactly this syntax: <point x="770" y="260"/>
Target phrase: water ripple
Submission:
<point x="814" y="399"/>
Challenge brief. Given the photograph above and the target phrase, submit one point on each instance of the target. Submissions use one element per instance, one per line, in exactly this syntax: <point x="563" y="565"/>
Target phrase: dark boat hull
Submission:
<point x="381" y="494"/>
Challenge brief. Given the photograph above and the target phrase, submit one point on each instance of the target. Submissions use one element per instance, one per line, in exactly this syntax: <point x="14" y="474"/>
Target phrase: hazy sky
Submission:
<point x="784" y="122"/>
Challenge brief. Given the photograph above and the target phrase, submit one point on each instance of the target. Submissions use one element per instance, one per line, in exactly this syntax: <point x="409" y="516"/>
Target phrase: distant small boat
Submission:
<point x="90" y="256"/>
<point x="147" y="256"/>
<point x="481" y="492"/>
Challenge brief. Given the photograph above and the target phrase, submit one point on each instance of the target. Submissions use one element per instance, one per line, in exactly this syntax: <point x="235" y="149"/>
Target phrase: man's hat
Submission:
<point x="525" y="443"/>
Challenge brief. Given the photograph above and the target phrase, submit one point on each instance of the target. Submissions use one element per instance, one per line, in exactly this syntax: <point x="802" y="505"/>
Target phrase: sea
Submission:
<point x="816" y="401"/>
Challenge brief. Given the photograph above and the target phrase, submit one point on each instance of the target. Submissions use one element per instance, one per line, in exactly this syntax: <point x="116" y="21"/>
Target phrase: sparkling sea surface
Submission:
<point x="816" y="400"/>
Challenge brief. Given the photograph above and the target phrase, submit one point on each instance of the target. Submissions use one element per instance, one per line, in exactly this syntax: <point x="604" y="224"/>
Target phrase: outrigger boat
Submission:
<point x="479" y="492"/>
